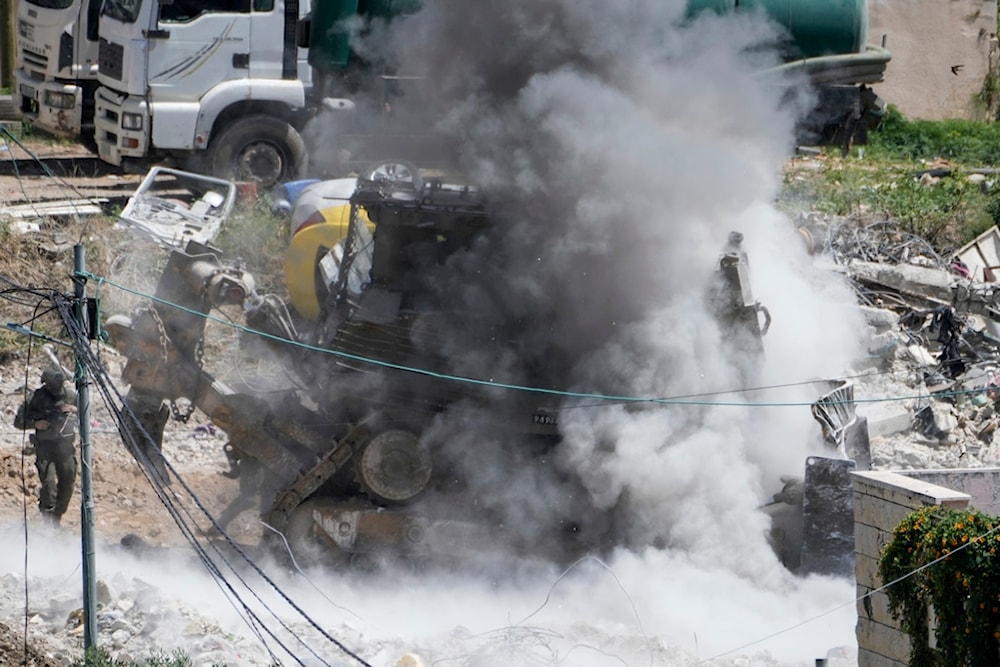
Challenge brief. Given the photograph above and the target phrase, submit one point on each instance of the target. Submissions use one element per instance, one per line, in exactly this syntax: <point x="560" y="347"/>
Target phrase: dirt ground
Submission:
<point x="124" y="501"/>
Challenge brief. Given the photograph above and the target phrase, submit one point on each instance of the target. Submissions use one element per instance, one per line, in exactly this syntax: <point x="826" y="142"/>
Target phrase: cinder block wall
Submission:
<point x="881" y="501"/>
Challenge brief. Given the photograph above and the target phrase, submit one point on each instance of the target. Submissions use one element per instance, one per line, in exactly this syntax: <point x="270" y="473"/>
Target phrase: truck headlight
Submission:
<point x="59" y="100"/>
<point x="131" y="121"/>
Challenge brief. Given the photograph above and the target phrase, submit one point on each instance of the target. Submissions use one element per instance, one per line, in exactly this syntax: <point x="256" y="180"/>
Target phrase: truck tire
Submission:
<point x="263" y="149"/>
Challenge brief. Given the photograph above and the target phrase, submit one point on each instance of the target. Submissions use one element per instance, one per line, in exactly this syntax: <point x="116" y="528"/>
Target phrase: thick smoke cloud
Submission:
<point x="619" y="144"/>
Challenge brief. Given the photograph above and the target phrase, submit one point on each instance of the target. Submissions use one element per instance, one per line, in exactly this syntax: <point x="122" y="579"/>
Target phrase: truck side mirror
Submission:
<point x="303" y="29"/>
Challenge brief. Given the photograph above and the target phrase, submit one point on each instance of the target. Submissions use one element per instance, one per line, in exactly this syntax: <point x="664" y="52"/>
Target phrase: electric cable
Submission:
<point x="107" y="388"/>
<point x="604" y="398"/>
<point x="95" y="369"/>
<point x="48" y="172"/>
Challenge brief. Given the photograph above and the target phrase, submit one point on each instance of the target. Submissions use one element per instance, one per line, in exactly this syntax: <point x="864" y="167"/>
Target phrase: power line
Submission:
<point x="129" y="425"/>
<point x="129" y="428"/>
<point x="603" y="399"/>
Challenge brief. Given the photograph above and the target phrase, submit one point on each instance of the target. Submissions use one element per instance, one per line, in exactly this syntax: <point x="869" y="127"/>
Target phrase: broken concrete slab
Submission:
<point x="926" y="283"/>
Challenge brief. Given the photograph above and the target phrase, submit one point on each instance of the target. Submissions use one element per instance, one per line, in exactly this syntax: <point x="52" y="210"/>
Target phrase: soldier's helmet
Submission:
<point x="52" y="377"/>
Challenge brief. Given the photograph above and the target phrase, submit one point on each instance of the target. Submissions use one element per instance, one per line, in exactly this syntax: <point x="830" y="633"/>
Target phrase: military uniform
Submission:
<point x="51" y="411"/>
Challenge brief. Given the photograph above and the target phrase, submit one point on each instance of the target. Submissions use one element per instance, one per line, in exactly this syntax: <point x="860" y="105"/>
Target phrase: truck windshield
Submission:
<point x="52" y="4"/>
<point x="126" y="11"/>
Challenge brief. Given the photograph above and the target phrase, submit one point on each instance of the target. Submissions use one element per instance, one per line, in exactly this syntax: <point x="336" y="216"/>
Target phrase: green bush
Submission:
<point x="966" y="142"/>
<point x="99" y="657"/>
<point x="946" y="560"/>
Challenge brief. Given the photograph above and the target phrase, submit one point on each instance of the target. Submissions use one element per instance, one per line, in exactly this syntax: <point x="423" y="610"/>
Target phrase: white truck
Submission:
<point x="224" y="87"/>
<point x="56" y="72"/>
<point x="221" y="79"/>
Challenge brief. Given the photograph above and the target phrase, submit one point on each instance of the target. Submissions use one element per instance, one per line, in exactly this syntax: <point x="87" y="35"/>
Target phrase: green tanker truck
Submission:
<point x="238" y="109"/>
<point x="824" y="42"/>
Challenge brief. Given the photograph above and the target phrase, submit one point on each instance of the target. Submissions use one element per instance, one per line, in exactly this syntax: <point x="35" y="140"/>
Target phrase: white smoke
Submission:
<point x="656" y="607"/>
<point x="621" y="145"/>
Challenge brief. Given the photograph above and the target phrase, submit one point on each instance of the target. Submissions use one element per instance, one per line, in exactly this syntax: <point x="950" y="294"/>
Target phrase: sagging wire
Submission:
<point x="94" y="364"/>
<point x="604" y="399"/>
<point x="855" y="601"/>
<point x="70" y="321"/>
<point x="128" y="425"/>
<point x="129" y="418"/>
<point x="302" y="573"/>
<point x="64" y="185"/>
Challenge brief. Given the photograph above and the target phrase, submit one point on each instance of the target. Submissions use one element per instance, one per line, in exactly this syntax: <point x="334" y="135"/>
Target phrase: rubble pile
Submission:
<point x="932" y="391"/>
<point x="133" y="615"/>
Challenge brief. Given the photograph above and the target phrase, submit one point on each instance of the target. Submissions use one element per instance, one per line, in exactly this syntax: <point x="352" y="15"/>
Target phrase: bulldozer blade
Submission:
<point x="828" y="517"/>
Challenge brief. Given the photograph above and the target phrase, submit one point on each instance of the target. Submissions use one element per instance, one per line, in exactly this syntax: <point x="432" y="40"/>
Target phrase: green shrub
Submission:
<point x="946" y="560"/>
<point x="99" y="657"/>
<point x="966" y="142"/>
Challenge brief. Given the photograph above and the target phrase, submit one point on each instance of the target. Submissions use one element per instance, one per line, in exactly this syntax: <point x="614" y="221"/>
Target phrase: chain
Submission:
<point x="161" y="330"/>
<point x="199" y="357"/>
<point x="199" y="354"/>
<point x="178" y="414"/>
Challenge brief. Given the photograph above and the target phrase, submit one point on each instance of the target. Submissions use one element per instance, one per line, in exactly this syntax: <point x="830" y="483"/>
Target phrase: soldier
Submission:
<point x="50" y="411"/>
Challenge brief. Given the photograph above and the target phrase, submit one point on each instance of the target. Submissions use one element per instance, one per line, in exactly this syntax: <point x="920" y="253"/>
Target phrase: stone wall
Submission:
<point x="881" y="501"/>
<point x="927" y="38"/>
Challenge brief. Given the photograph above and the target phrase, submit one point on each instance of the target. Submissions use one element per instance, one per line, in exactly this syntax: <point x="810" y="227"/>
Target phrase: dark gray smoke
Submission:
<point x="619" y="145"/>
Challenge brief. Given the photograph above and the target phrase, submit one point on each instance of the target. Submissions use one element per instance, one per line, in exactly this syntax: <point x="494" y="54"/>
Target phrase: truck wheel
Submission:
<point x="259" y="148"/>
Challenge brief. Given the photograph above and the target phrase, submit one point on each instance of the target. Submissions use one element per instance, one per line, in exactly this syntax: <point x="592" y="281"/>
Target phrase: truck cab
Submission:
<point x="56" y="70"/>
<point x="223" y="78"/>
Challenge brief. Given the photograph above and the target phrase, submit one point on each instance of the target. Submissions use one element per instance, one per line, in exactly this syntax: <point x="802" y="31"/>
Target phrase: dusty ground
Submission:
<point x="124" y="501"/>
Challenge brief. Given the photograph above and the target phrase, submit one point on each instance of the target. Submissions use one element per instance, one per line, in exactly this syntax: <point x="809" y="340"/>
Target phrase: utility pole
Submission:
<point x="7" y="35"/>
<point x="86" y="489"/>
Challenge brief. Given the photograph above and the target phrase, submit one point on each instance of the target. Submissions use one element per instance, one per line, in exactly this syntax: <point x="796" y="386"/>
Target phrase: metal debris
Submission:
<point x="944" y="339"/>
<point x="172" y="207"/>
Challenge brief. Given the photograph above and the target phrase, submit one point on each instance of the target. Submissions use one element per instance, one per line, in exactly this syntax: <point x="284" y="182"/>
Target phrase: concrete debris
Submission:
<point x="935" y="325"/>
<point x="23" y="217"/>
<point x="930" y="398"/>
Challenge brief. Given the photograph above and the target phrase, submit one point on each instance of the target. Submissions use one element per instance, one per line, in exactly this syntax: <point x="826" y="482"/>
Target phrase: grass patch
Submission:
<point x="967" y="142"/>
<point x="931" y="178"/>
<point x="99" y="657"/>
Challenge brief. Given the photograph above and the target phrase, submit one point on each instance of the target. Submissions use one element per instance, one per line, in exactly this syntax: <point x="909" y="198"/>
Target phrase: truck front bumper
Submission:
<point x="115" y="142"/>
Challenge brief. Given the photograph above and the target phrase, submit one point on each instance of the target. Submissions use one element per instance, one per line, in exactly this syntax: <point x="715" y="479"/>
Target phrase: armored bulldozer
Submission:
<point x="369" y="452"/>
<point x="340" y="458"/>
